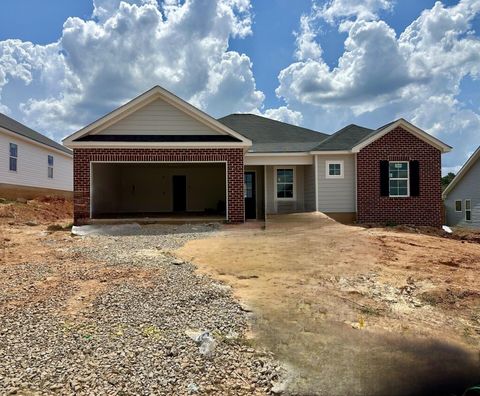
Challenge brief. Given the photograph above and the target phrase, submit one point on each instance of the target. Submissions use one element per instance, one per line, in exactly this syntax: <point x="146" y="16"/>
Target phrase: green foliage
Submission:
<point x="447" y="179"/>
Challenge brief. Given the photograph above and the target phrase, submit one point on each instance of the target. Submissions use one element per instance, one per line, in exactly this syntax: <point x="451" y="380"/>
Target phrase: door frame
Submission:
<point x="256" y="193"/>
<point x="90" y="195"/>
<point x="186" y="194"/>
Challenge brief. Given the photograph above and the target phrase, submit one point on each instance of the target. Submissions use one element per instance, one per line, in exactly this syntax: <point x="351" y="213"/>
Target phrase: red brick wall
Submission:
<point x="399" y="145"/>
<point x="83" y="157"/>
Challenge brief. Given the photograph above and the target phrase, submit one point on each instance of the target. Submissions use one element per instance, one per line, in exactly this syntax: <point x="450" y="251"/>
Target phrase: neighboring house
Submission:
<point x="158" y="154"/>
<point x="32" y="164"/>
<point x="462" y="195"/>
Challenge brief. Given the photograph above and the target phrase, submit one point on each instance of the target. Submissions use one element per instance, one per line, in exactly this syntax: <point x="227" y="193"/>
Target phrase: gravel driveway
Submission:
<point x="118" y="315"/>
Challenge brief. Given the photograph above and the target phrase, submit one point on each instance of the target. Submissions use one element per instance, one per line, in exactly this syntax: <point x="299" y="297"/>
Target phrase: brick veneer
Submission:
<point x="399" y="145"/>
<point x="83" y="157"/>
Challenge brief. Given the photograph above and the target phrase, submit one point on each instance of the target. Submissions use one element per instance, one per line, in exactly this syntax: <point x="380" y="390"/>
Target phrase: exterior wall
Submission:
<point x="336" y="195"/>
<point x="148" y="187"/>
<point x="309" y="181"/>
<point x="275" y="206"/>
<point x="83" y="158"/>
<point x="32" y="165"/>
<point x="399" y="145"/>
<point x="467" y="188"/>
<point x="260" y="189"/>
<point x="158" y="118"/>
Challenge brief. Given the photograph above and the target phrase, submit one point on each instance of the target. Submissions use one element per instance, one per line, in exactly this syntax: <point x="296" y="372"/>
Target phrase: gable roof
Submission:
<point x="15" y="127"/>
<point x="462" y="172"/>
<point x="344" y="139"/>
<point x="419" y="133"/>
<point x="144" y="99"/>
<point x="269" y="135"/>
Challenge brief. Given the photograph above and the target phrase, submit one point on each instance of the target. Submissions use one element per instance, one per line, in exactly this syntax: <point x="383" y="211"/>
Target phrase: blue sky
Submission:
<point x="321" y="64"/>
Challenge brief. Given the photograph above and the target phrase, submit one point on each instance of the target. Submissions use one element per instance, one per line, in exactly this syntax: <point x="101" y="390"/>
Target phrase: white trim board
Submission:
<point x="462" y="172"/>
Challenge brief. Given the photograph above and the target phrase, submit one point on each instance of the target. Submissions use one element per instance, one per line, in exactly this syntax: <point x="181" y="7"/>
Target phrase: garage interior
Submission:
<point x="160" y="190"/>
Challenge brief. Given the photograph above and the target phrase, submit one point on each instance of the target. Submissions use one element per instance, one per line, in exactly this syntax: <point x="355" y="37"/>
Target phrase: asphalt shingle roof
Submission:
<point x="20" y="129"/>
<point x="345" y="139"/>
<point x="273" y="136"/>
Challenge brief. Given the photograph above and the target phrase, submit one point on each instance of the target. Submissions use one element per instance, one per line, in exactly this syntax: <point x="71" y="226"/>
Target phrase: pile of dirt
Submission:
<point x="42" y="210"/>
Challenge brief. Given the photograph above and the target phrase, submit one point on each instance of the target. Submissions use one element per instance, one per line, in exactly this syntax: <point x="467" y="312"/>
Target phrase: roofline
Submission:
<point x="444" y="148"/>
<point x="463" y="170"/>
<point x="276" y="153"/>
<point x="36" y="142"/>
<point x="146" y="98"/>
<point x="85" y="144"/>
<point x="331" y="152"/>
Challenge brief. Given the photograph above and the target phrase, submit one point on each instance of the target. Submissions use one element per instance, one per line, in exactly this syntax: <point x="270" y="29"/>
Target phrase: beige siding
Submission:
<point x="275" y="205"/>
<point x="309" y="177"/>
<point x="336" y="195"/>
<point x="32" y="165"/>
<point x="158" y="118"/>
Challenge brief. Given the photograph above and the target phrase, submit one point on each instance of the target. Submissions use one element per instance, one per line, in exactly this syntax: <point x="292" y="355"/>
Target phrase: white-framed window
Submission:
<point x="468" y="210"/>
<point x="458" y="205"/>
<point x="13" y="157"/>
<point x="399" y="183"/>
<point x="285" y="183"/>
<point x="50" y="166"/>
<point x="334" y="169"/>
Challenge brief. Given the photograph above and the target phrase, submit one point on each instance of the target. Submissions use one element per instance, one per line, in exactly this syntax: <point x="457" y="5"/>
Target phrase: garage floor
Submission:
<point x="355" y="311"/>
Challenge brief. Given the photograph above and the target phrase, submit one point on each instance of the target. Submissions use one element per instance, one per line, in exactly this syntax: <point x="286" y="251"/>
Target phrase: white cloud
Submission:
<point x="284" y="114"/>
<point x="127" y="48"/>
<point x="381" y="76"/>
<point x="334" y="10"/>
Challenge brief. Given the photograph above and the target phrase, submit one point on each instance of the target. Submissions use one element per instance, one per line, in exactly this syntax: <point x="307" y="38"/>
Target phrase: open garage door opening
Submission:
<point x="160" y="190"/>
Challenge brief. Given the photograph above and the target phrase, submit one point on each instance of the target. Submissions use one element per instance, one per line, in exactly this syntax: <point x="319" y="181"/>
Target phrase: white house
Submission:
<point x="31" y="164"/>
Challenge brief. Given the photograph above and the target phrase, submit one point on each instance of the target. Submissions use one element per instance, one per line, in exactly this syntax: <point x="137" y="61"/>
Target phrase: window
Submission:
<point x="458" y="206"/>
<point x="468" y="210"/>
<point x="285" y="183"/>
<point x="50" y="166"/>
<point x="13" y="157"/>
<point x="334" y="169"/>
<point x="398" y="179"/>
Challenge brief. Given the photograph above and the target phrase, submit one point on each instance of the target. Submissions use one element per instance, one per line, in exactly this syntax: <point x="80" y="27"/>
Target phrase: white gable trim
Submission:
<point x="433" y="141"/>
<point x="462" y="172"/>
<point x="144" y="99"/>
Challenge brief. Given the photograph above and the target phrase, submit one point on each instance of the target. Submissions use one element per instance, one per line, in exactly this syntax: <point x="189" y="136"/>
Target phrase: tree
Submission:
<point x="447" y="179"/>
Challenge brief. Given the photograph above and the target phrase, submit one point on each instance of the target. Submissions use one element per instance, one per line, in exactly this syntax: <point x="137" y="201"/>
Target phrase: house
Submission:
<point x="462" y="195"/>
<point x="32" y="164"/>
<point x="159" y="155"/>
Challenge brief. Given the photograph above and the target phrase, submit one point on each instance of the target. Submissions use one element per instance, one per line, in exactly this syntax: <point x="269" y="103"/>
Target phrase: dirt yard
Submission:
<point x="355" y="311"/>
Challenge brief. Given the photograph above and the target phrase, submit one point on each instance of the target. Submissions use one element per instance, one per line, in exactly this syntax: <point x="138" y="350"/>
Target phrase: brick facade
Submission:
<point x="233" y="157"/>
<point x="399" y="145"/>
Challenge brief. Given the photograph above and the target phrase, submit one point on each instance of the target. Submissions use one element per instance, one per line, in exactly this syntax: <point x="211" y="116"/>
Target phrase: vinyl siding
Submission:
<point x="158" y="118"/>
<point x="309" y="177"/>
<point x="32" y="165"/>
<point x="275" y="206"/>
<point x="336" y="195"/>
<point x="467" y="188"/>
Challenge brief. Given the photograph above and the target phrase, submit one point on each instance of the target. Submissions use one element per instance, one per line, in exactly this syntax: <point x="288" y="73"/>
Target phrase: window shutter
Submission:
<point x="414" y="178"/>
<point x="384" y="179"/>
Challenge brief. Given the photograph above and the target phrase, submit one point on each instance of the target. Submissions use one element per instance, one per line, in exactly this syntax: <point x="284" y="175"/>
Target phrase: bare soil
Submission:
<point x="354" y="310"/>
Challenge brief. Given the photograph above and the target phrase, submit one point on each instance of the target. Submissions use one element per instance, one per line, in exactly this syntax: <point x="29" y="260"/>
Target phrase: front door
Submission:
<point x="250" y="194"/>
<point x="179" y="193"/>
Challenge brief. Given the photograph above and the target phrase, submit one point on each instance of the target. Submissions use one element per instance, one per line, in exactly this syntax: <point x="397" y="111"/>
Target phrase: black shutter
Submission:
<point x="414" y="178"/>
<point x="384" y="179"/>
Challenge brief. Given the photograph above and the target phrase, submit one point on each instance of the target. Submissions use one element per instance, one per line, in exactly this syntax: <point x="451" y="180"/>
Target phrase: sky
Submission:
<point x="321" y="64"/>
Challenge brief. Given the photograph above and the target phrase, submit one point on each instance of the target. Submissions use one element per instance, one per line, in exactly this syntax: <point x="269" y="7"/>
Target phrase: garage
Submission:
<point x="157" y="189"/>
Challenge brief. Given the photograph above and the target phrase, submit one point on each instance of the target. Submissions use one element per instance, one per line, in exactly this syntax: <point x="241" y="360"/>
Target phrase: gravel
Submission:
<point x="135" y="337"/>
